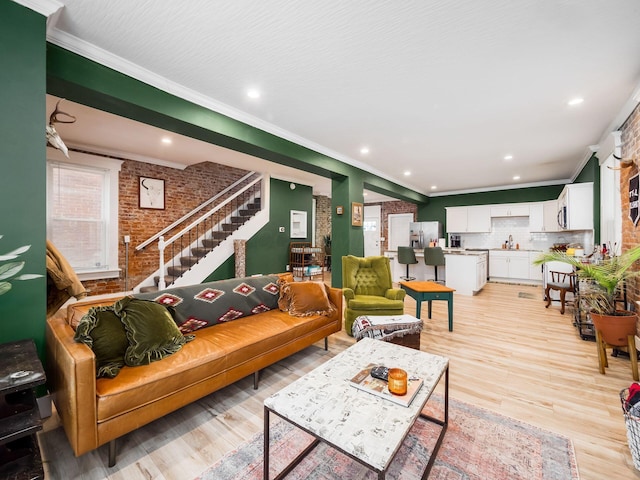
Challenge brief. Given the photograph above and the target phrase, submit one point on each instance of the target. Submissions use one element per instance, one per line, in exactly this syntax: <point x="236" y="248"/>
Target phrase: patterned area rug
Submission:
<point x="478" y="445"/>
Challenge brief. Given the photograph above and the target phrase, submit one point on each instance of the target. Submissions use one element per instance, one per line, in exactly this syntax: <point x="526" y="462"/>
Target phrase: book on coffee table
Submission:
<point x="365" y="382"/>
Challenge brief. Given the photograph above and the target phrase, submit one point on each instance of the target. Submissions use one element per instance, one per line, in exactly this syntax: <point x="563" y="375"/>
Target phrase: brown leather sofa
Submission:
<point x="95" y="411"/>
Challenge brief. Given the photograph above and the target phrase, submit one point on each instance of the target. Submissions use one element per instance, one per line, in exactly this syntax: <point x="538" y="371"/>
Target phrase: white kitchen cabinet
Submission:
<point x="519" y="265"/>
<point x="543" y="216"/>
<point x="536" y="217"/>
<point x="475" y="219"/>
<point x="498" y="264"/>
<point x="510" y="210"/>
<point x="481" y="272"/>
<point x="575" y="207"/>
<point x="550" y="214"/>
<point x="509" y="264"/>
<point x="479" y="219"/>
<point x="535" y="271"/>
<point x="456" y="219"/>
<point x="466" y="273"/>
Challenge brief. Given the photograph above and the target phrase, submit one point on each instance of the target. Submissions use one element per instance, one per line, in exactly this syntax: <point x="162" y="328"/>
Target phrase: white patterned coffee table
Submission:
<point x="367" y="428"/>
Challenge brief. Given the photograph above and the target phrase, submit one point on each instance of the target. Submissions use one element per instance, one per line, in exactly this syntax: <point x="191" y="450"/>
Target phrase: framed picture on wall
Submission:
<point x="151" y="193"/>
<point x="356" y="214"/>
<point x="298" y="224"/>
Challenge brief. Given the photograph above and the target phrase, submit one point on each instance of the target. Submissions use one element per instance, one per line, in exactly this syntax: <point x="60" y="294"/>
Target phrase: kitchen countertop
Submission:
<point x="447" y="251"/>
<point x="515" y="250"/>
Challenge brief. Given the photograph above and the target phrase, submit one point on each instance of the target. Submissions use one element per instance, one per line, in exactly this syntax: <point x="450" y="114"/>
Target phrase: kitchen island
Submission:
<point x="465" y="270"/>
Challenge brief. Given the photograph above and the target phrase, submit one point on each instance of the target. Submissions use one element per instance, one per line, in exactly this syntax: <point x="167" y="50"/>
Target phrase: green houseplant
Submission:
<point x="327" y="244"/>
<point x="613" y="328"/>
<point x="604" y="279"/>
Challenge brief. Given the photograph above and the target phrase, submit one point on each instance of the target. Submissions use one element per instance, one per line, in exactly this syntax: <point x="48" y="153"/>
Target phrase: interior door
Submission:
<point x="371" y="229"/>
<point x="399" y="230"/>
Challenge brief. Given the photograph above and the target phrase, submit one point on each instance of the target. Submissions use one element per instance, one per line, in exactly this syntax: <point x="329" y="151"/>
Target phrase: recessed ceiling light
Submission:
<point x="253" y="93"/>
<point x="516" y="177"/>
<point x="364" y="150"/>
<point x="508" y="157"/>
<point x="575" y="101"/>
<point x="434" y="187"/>
<point x="365" y="194"/>
<point x="166" y="140"/>
<point x="407" y="173"/>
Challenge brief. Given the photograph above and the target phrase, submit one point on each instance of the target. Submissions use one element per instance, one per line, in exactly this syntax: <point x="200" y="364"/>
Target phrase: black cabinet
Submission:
<point x="20" y="373"/>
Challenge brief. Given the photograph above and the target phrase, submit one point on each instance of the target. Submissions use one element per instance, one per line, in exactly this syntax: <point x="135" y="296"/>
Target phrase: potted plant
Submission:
<point x="327" y="244"/>
<point x="603" y="283"/>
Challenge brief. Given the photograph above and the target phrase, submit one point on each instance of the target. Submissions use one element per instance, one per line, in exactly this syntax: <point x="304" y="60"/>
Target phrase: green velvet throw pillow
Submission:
<point x="151" y="331"/>
<point x="102" y="330"/>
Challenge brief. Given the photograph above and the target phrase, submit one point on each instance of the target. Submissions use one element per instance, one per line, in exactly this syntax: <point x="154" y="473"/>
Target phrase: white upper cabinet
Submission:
<point x="575" y="207"/>
<point x="550" y="208"/>
<point x="456" y="219"/>
<point x="543" y="216"/>
<point x="479" y="219"/>
<point x="476" y="219"/>
<point x="510" y="210"/>
<point x="536" y="217"/>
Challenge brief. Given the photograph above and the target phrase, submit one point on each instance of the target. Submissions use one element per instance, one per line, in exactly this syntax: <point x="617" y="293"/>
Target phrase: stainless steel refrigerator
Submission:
<point x="421" y="233"/>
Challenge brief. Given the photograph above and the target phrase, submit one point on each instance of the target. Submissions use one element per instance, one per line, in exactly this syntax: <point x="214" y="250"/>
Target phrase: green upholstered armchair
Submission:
<point x="368" y="289"/>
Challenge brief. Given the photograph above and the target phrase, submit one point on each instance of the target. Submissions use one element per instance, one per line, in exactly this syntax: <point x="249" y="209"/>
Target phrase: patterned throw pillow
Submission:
<point x="198" y="306"/>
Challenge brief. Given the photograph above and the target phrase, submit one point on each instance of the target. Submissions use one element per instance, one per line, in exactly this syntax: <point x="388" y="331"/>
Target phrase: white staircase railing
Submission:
<point x="195" y="210"/>
<point x="225" y="214"/>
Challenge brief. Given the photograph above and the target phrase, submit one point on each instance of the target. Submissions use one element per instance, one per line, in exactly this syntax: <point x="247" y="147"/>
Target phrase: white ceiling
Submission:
<point x="444" y="89"/>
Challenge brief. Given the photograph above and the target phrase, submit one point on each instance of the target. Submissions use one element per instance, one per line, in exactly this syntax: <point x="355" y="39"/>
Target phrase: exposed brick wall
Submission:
<point x="630" y="232"/>
<point x="323" y="218"/>
<point x="184" y="190"/>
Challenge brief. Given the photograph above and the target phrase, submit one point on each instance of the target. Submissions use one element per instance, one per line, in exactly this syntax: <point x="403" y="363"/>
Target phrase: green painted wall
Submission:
<point x="591" y="173"/>
<point x="346" y="239"/>
<point x="22" y="156"/>
<point x="226" y="270"/>
<point x="268" y="250"/>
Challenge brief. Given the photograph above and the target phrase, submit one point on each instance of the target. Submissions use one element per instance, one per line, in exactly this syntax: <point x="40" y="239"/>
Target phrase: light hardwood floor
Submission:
<point x="507" y="354"/>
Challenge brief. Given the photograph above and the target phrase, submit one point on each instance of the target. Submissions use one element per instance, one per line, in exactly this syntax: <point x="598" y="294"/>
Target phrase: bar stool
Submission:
<point x="434" y="256"/>
<point x="407" y="256"/>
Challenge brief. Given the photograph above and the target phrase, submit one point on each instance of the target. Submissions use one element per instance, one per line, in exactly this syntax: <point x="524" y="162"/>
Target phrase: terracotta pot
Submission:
<point x="615" y="328"/>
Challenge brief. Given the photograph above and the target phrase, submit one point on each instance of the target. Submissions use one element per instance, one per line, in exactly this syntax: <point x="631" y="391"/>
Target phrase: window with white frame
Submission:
<point x="82" y="212"/>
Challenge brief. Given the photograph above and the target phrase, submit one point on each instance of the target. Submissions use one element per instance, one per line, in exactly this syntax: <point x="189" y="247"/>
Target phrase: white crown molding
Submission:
<point x="103" y="57"/>
<point x="126" y="155"/>
<point x="503" y="187"/>
<point x="44" y="7"/>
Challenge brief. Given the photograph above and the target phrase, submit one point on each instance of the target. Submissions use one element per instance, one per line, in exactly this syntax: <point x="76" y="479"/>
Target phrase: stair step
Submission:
<point x="202" y="251"/>
<point x="189" y="261"/>
<point x="229" y="227"/>
<point x="151" y="288"/>
<point x="168" y="279"/>
<point x="239" y="220"/>
<point x="208" y="243"/>
<point x="177" y="270"/>
<point x="220" y="235"/>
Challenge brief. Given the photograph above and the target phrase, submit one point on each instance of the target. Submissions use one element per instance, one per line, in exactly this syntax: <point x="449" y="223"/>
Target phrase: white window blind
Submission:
<point x="82" y="213"/>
